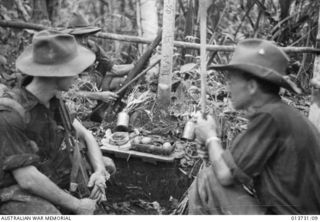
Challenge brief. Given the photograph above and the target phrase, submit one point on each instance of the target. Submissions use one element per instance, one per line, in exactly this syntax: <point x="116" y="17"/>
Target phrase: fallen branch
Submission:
<point x="21" y="25"/>
<point x="126" y="38"/>
<point x="135" y="39"/>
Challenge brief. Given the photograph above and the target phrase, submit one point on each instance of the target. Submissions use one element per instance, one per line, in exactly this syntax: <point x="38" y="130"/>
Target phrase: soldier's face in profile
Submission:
<point x="239" y="90"/>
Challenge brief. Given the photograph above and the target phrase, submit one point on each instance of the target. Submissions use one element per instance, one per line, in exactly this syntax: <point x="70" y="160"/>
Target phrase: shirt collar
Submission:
<point x="257" y="109"/>
<point x="30" y="100"/>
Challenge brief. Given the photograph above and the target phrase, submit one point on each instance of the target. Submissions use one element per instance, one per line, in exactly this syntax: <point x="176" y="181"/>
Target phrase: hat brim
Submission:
<point x="83" y="60"/>
<point x="261" y="72"/>
<point x="82" y="30"/>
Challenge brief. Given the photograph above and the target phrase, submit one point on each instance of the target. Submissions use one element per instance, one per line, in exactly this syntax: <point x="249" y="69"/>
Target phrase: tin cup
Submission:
<point x="188" y="132"/>
<point x="122" y="122"/>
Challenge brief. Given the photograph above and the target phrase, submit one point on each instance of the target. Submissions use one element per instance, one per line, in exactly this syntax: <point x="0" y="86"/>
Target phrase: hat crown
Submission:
<point x="50" y="48"/>
<point x="262" y="53"/>
<point x="77" y="20"/>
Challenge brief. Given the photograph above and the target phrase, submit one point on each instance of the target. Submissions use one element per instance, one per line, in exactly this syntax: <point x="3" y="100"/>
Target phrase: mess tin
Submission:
<point x="122" y="122"/>
<point x="188" y="132"/>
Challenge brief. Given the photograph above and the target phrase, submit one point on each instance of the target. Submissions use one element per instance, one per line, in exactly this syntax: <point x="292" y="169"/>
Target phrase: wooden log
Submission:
<point x="165" y="76"/>
<point x="314" y="113"/>
<point x="136" y="39"/>
<point x="21" y="25"/>
<point x="125" y="38"/>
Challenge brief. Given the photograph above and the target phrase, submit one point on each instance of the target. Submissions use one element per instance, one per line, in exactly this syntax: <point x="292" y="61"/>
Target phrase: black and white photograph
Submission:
<point x="159" y="107"/>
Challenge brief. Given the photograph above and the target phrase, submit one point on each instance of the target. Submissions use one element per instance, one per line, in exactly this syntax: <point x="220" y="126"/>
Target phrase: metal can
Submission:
<point x="188" y="132"/>
<point x="122" y="121"/>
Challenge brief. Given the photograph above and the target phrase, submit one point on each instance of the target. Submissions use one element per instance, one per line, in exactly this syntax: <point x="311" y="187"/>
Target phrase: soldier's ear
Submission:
<point x="253" y="86"/>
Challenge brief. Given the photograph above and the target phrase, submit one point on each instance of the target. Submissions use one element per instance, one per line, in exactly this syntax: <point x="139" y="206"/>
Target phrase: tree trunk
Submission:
<point x="188" y="31"/>
<point x="53" y="7"/>
<point x="314" y="114"/>
<point x="116" y="9"/>
<point x="149" y="19"/>
<point x="39" y="11"/>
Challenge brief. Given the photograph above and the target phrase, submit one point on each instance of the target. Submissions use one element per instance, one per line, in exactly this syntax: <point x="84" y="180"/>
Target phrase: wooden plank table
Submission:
<point x="125" y="152"/>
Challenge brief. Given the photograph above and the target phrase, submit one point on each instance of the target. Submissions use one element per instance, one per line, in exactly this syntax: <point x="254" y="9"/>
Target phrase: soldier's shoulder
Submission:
<point x="12" y="111"/>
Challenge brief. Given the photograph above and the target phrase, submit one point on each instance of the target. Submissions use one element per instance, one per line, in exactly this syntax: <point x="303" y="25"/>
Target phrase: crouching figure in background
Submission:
<point x="107" y="76"/>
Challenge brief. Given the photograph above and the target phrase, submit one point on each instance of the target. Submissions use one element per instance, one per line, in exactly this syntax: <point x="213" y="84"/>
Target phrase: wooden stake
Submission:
<point x="314" y="113"/>
<point x="165" y="77"/>
<point x="203" y="54"/>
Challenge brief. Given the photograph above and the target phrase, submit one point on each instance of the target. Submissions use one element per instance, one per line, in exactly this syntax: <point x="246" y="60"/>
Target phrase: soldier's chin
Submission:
<point x="236" y="105"/>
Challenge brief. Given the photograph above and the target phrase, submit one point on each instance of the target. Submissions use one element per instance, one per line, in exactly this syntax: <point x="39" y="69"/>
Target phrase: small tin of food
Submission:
<point x="188" y="132"/>
<point x="122" y="121"/>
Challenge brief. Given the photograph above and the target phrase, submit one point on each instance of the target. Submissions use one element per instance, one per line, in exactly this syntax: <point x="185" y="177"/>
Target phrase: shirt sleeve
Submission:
<point x="252" y="149"/>
<point x="16" y="150"/>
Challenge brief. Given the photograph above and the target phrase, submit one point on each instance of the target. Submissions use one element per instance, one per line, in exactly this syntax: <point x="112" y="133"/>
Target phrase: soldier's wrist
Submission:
<point x="209" y="133"/>
<point x="101" y="170"/>
<point x="211" y="139"/>
<point x="76" y="205"/>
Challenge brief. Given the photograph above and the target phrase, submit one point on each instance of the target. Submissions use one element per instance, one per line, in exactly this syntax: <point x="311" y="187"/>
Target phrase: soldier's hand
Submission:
<point x="201" y="150"/>
<point x="107" y="96"/>
<point x="205" y="128"/>
<point x="86" y="206"/>
<point x="98" y="184"/>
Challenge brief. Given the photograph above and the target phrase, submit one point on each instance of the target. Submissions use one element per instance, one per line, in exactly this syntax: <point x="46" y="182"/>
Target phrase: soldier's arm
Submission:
<point x="121" y="70"/>
<point x="94" y="152"/>
<point x="206" y="133"/>
<point x="98" y="179"/>
<point x="19" y="157"/>
<point x="223" y="172"/>
<point x="105" y="96"/>
<point x="33" y="181"/>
